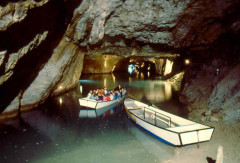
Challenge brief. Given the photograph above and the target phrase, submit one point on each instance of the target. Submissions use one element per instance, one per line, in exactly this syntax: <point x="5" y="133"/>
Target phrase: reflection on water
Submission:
<point x="55" y="133"/>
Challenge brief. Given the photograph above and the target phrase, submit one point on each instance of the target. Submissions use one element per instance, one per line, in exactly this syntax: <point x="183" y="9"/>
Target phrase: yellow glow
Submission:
<point x="60" y="87"/>
<point x="60" y="101"/>
<point x="80" y="89"/>
<point x="168" y="67"/>
<point x="105" y="82"/>
<point x="105" y="63"/>
<point x="114" y="79"/>
<point x="187" y="61"/>
<point x="148" y="74"/>
<point x="113" y="68"/>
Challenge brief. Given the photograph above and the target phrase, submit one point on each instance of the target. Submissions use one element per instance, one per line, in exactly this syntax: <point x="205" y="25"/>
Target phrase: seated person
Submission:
<point x="100" y="95"/>
<point x="106" y="91"/>
<point x="108" y="97"/>
<point x="124" y="91"/>
<point x="104" y="98"/>
<point x="111" y="96"/>
<point x="89" y="95"/>
<point x="118" y="94"/>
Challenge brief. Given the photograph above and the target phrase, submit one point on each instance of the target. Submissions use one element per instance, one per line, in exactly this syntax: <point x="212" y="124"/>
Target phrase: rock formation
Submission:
<point x="42" y="43"/>
<point x="35" y="56"/>
<point x="95" y="64"/>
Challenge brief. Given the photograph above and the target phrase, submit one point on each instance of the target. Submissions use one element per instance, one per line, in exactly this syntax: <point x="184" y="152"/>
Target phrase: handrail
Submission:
<point x="170" y="121"/>
<point x="162" y="114"/>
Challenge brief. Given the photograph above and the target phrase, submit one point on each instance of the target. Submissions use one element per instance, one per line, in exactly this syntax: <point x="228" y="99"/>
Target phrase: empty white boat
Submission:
<point x="167" y="127"/>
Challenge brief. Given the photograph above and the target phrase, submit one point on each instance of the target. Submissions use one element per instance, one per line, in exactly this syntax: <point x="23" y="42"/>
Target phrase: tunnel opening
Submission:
<point x="164" y="67"/>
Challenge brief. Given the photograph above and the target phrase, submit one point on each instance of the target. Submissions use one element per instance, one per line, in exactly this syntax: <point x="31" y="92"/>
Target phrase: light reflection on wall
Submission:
<point x="80" y="88"/>
<point x="168" y="67"/>
<point x="60" y="101"/>
<point x="114" y="78"/>
<point x="105" y="63"/>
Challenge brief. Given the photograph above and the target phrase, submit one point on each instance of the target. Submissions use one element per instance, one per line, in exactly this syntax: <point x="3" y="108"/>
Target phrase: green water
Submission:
<point x="54" y="132"/>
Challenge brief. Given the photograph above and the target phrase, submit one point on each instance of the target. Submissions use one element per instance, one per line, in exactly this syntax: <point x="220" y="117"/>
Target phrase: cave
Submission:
<point x="180" y="56"/>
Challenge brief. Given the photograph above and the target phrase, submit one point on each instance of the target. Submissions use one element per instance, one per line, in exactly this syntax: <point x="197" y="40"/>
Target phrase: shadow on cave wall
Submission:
<point x="52" y="17"/>
<point x="224" y="52"/>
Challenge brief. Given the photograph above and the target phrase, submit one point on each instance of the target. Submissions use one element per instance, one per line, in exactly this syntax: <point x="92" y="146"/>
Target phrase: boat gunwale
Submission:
<point x="98" y="101"/>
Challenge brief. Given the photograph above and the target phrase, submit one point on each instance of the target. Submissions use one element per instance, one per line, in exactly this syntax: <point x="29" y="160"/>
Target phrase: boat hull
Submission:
<point x="93" y="108"/>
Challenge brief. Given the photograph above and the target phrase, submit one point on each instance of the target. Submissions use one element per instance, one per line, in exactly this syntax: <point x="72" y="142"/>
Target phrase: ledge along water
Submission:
<point x="54" y="132"/>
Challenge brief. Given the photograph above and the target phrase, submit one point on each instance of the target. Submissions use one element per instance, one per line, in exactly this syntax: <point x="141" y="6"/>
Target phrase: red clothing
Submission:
<point x="108" y="98"/>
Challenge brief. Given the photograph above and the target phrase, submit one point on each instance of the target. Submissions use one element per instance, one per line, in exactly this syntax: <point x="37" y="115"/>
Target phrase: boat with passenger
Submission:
<point x="168" y="128"/>
<point x="97" y="103"/>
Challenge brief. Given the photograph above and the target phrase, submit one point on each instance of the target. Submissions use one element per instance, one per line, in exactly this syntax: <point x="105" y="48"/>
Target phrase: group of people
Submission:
<point x="106" y="95"/>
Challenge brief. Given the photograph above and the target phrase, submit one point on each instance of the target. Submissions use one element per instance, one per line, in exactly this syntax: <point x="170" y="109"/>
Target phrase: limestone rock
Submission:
<point x="174" y="24"/>
<point x="29" y="31"/>
<point x="100" y="64"/>
<point x="56" y="76"/>
<point x="15" y="12"/>
<point x="213" y="119"/>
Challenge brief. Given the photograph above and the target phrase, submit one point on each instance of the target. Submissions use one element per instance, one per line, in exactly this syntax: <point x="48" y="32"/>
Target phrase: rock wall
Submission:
<point x="42" y="43"/>
<point x="131" y="27"/>
<point x="211" y="83"/>
<point x="94" y="64"/>
<point x="29" y="65"/>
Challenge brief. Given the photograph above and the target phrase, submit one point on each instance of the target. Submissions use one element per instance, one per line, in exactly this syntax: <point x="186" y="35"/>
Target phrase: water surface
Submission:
<point x="54" y="132"/>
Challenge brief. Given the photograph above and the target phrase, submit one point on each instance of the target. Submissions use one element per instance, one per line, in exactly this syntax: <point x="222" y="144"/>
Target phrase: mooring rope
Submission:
<point x="198" y="139"/>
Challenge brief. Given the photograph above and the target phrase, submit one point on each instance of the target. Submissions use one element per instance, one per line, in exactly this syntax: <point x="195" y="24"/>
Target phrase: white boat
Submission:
<point x="167" y="127"/>
<point x="94" y="108"/>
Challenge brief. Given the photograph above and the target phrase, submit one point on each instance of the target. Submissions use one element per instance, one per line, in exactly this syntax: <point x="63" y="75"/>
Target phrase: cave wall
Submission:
<point x="95" y="64"/>
<point x="211" y="82"/>
<point x="133" y="27"/>
<point x="29" y="33"/>
<point x="42" y="43"/>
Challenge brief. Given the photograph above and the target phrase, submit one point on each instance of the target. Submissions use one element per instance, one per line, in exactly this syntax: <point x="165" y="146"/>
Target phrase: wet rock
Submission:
<point x="100" y="63"/>
<point x="204" y="119"/>
<point x="213" y="119"/>
<point x="13" y="13"/>
<point x="170" y="23"/>
<point x="28" y="36"/>
<point x="209" y="112"/>
<point x="43" y="55"/>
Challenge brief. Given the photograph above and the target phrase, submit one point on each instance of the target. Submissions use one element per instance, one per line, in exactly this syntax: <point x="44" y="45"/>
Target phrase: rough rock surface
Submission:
<point x="28" y="62"/>
<point x="168" y="24"/>
<point x="55" y="76"/>
<point x="31" y="30"/>
<point x="12" y="13"/>
<point x="212" y="88"/>
<point x="100" y="63"/>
